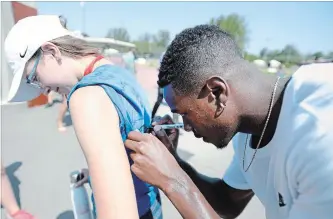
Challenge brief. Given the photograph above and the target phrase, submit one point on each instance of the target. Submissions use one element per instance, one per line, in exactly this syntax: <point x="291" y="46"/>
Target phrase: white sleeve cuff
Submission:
<point x="228" y="179"/>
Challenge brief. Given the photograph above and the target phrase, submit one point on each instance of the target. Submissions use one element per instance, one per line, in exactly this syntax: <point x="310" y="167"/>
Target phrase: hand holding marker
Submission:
<point x="165" y="127"/>
<point x="172" y="126"/>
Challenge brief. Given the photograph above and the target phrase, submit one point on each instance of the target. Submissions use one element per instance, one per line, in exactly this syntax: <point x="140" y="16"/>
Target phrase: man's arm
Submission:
<point x="228" y="196"/>
<point x="228" y="202"/>
<point x="96" y="124"/>
<point x="222" y="195"/>
<point x="154" y="164"/>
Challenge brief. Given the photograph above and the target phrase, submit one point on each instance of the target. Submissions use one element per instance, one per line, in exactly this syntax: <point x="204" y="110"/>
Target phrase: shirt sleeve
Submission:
<point x="313" y="176"/>
<point x="234" y="176"/>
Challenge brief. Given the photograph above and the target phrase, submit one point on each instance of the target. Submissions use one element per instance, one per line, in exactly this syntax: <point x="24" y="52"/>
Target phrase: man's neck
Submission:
<point x="257" y="106"/>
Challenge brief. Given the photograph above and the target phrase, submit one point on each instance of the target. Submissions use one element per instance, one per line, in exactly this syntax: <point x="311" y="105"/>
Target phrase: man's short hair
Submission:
<point x="196" y="53"/>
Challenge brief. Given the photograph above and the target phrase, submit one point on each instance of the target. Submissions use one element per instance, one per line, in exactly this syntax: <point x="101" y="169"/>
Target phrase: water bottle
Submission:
<point x="79" y="196"/>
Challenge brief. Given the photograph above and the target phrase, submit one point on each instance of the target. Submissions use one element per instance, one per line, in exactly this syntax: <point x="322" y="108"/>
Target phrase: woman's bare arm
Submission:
<point x="96" y="123"/>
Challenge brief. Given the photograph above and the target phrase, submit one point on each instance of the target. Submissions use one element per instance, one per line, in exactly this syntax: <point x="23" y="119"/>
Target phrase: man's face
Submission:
<point x="203" y="115"/>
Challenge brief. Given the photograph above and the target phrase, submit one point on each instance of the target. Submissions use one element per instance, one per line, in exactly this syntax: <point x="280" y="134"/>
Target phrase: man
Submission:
<point x="284" y="146"/>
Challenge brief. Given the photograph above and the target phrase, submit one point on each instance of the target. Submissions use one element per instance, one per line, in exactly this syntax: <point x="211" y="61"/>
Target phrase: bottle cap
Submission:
<point x="73" y="176"/>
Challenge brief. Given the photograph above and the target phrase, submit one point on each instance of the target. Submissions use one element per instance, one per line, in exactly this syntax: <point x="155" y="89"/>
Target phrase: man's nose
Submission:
<point x="187" y="126"/>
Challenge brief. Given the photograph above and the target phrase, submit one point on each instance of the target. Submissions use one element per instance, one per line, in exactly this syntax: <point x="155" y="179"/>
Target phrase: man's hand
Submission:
<point x="153" y="163"/>
<point x="172" y="134"/>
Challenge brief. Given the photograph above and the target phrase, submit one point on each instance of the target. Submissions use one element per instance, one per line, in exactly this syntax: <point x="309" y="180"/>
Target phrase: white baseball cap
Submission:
<point x="21" y="43"/>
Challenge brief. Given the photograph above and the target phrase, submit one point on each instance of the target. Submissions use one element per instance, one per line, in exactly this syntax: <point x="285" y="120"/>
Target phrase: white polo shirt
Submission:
<point x="293" y="175"/>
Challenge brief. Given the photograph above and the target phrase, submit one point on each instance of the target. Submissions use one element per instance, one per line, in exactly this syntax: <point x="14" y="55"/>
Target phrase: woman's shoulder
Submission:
<point x="115" y="80"/>
<point x="109" y="73"/>
<point x="104" y="75"/>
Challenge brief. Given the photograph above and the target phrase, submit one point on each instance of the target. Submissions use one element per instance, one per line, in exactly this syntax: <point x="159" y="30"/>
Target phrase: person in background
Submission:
<point x="129" y="59"/>
<point x="63" y="108"/>
<point x="280" y="72"/>
<point x="105" y="101"/>
<point x="8" y="200"/>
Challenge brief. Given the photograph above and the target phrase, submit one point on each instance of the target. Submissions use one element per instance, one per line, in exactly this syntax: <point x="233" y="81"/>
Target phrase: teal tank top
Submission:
<point x="133" y="110"/>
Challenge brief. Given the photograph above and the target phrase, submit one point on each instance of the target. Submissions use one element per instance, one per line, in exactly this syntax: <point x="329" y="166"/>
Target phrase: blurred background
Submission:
<point x="277" y="36"/>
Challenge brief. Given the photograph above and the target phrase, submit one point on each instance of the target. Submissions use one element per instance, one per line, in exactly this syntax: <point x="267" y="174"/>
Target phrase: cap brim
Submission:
<point x="20" y="91"/>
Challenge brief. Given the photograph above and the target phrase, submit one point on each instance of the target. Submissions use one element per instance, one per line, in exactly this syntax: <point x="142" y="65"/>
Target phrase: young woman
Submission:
<point x="105" y="103"/>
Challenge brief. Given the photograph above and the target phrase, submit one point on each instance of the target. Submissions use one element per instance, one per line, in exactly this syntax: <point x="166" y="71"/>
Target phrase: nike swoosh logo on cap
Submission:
<point x="25" y="52"/>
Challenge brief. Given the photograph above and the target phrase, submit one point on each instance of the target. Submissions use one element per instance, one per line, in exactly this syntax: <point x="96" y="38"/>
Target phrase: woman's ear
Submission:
<point x="51" y="49"/>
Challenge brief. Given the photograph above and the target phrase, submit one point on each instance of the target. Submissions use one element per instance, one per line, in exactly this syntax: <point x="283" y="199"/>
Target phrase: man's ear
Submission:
<point x="51" y="49"/>
<point x="217" y="89"/>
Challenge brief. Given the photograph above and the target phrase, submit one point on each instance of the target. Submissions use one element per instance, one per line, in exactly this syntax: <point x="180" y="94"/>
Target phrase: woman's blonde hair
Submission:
<point x="75" y="47"/>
